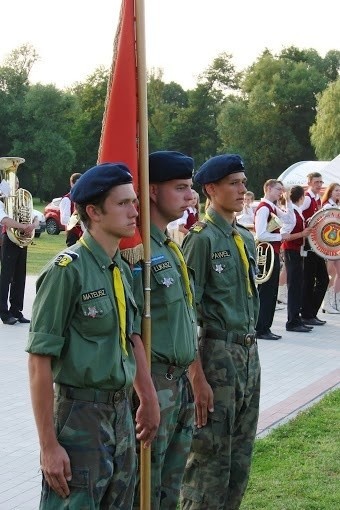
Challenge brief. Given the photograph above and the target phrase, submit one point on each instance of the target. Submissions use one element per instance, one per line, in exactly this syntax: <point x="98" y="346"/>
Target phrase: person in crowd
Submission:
<point x="173" y="327"/>
<point x="85" y="353"/>
<point x="331" y="302"/>
<point x="13" y="269"/>
<point x="247" y="215"/>
<point x="179" y="228"/>
<point x="294" y="263"/>
<point x="226" y="375"/>
<point x="315" y="275"/>
<point x="191" y="214"/>
<point x="67" y="209"/>
<point x="266" y="214"/>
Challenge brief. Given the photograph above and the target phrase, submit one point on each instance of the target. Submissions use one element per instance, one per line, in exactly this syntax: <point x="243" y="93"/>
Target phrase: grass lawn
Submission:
<point x="297" y="466"/>
<point x="43" y="249"/>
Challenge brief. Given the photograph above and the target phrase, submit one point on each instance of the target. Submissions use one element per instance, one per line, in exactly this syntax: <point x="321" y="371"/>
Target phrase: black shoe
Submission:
<point x="277" y="336"/>
<point x="314" y="321"/>
<point x="10" y="321"/>
<point x="299" y="329"/>
<point x="22" y="320"/>
<point x="268" y="336"/>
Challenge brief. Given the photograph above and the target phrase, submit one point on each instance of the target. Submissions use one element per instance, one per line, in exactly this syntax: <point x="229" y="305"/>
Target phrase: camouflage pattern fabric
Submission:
<point x="100" y="441"/>
<point x="169" y="451"/>
<point x="218" y="466"/>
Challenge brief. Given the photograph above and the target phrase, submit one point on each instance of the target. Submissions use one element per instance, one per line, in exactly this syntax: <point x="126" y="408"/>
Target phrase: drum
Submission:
<point x="324" y="238"/>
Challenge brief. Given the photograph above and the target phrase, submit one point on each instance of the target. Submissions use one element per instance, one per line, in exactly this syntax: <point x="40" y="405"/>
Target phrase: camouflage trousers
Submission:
<point x="170" y="449"/>
<point x="218" y="466"/>
<point x="100" y="441"/>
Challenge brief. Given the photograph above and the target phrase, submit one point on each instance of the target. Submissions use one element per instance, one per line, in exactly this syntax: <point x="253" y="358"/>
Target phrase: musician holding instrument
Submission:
<point x="315" y="274"/>
<point x="67" y="211"/>
<point x="266" y="212"/>
<point x="294" y="262"/>
<point x="226" y="375"/>
<point x="331" y="302"/>
<point x="17" y="235"/>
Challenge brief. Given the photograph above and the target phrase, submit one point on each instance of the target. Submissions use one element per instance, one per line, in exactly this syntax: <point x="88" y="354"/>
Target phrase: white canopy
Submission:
<point x="297" y="173"/>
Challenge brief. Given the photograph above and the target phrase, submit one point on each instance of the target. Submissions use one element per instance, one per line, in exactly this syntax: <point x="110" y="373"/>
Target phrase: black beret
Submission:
<point x="218" y="167"/>
<point x="169" y="165"/>
<point x="98" y="179"/>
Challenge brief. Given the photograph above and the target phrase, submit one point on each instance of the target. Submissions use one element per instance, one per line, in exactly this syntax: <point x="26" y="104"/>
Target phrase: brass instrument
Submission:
<point x="264" y="262"/>
<point x="19" y="203"/>
<point x="73" y="221"/>
<point x="265" y="253"/>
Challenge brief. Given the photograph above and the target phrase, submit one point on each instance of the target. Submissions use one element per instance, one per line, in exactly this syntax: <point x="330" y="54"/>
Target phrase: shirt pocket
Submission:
<point x="224" y="269"/>
<point x="97" y="317"/>
<point x="167" y="286"/>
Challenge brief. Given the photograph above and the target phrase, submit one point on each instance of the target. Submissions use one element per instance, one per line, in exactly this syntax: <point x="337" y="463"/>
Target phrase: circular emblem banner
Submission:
<point x="324" y="238"/>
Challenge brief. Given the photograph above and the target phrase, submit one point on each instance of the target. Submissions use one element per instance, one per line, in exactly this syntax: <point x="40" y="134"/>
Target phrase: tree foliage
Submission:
<point x="283" y="108"/>
<point x="325" y="132"/>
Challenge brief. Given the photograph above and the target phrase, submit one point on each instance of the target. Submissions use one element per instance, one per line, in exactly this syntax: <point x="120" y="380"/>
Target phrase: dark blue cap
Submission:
<point x="99" y="179"/>
<point x="218" y="167"/>
<point x="169" y="165"/>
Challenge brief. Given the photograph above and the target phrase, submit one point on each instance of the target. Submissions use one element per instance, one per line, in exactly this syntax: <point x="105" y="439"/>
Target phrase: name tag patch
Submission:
<point x="93" y="294"/>
<point x="220" y="254"/>
<point x="160" y="267"/>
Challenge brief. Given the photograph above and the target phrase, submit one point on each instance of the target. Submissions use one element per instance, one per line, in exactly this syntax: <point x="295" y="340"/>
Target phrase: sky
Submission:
<point x="74" y="37"/>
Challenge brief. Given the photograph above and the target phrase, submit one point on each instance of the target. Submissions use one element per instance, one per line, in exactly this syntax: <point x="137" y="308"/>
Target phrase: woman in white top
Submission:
<point x="331" y="303"/>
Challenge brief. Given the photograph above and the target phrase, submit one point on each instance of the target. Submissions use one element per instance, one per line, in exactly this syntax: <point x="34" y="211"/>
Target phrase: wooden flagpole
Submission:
<point x="143" y="159"/>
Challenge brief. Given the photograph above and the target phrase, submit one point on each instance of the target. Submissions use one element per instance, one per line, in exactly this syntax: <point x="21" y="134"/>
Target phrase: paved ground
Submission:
<point x="296" y="371"/>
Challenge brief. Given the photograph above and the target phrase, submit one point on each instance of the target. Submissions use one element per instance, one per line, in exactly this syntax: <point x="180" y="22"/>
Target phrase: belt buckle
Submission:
<point x="248" y="339"/>
<point x="169" y="373"/>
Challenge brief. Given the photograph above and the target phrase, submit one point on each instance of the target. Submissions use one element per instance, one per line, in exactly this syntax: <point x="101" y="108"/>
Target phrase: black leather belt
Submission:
<point x="90" y="394"/>
<point x="169" y="371"/>
<point x="246" y="339"/>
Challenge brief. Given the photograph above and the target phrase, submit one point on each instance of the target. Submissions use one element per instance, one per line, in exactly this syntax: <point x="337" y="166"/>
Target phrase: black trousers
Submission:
<point x="315" y="283"/>
<point x="268" y="297"/>
<point x="294" y="268"/>
<point x="12" y="278"/>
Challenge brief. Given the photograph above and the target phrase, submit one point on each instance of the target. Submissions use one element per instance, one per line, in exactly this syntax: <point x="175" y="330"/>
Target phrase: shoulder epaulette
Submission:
<point x="63" y="259"/>
<point x="198" y="227"/>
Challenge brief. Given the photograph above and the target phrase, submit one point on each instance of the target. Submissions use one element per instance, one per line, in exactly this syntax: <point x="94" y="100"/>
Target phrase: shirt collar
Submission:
<point x="220" y="222"/>
<point x="158" y="235"/>
<point x="99" y="254"/>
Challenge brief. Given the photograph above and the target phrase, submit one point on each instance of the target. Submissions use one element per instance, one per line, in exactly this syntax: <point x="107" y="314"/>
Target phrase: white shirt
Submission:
<point x="261" y="220"/>
<point x="246" y="216"/>
<point x="287" y="228"/>
<point x="329" y="204"/>
<point x="65" y="210"/>
<point x="3" y="213"/>
<point x="307" y="200"/>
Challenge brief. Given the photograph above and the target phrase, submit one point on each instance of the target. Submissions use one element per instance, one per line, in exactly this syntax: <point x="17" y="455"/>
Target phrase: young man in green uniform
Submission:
<point x="82" y="339"/>
<point x="226" y="376"/>
<point x="173" y="327"/>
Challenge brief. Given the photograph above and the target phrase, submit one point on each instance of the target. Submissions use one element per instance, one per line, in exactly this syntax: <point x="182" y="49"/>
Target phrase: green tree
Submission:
<point x="41" y="137"/>
<point x="87" y="123"/>
<point x="325" y="132"/>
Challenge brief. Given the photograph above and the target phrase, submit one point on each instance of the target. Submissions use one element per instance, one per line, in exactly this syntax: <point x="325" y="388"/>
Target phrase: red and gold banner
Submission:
<point x="119" y="138"/>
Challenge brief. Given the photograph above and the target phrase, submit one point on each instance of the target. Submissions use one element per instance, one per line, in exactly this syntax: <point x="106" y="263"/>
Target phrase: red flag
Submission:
<point x="119" y="137"/>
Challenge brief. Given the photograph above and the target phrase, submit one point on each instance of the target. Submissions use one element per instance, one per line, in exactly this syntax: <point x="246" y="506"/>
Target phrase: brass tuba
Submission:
<point x="265" y="253"/>
<point x="18" y="203"/>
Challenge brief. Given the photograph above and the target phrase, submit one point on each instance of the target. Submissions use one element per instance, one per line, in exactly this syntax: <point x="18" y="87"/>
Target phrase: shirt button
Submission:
<point x="103" y="268"/>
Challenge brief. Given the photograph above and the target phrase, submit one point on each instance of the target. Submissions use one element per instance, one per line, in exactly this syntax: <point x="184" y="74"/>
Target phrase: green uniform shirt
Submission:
<point x="220" y="279"/>
<point x="75" y="319"/>
<point x="173" y="326"/>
